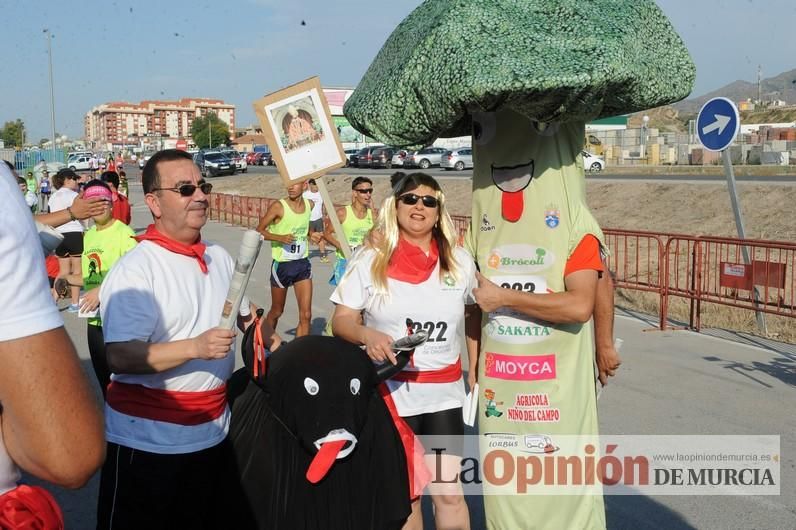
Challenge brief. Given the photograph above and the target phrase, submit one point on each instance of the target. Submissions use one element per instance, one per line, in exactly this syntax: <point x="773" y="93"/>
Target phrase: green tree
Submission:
<point x="13" y="133"/>
<point x="201" y="131"/>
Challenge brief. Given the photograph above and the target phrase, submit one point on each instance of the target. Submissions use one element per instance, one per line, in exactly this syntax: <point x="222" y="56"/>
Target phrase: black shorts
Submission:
<point x="71" y="246"/>
<point x="316" y="225"/>
<point x="445" y="425"/>
<point x="286" y="273"/>
<point x="139" y="489"/>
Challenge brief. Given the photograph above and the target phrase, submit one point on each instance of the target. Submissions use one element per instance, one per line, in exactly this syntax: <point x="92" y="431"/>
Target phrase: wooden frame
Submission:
<point x="300" y="132"/>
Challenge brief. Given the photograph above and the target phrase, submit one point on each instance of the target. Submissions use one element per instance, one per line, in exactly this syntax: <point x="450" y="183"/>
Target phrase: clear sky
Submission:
<point x="239" y="50"/>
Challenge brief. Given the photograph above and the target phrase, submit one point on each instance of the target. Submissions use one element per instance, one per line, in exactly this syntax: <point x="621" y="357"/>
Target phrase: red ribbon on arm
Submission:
<point x="195" y="250"/>
<point x="30" y="508"/>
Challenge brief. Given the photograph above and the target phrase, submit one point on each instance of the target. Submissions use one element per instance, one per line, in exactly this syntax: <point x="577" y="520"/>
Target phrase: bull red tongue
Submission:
<point x="513" y="204"/>
<point x="323" y="460"/>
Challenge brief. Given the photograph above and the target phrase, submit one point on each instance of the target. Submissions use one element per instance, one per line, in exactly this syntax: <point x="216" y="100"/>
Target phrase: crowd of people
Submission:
<point x="153" y="301"/>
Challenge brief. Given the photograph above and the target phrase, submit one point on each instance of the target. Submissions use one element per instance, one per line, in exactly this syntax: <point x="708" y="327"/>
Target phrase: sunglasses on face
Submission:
<point x="187" y="190"/>
<point x="410" y="199"/>
<point x="365" y="191"/>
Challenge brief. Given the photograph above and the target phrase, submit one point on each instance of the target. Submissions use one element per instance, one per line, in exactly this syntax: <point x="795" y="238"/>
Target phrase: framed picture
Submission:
<point x="300" y="132"/>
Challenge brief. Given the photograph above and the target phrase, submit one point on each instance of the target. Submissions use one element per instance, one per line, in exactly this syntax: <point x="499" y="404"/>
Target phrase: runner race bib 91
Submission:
<point x="294" y="250"/>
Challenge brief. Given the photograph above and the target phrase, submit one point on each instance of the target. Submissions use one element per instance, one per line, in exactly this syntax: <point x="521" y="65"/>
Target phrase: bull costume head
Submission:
<point x="315" y="446"/>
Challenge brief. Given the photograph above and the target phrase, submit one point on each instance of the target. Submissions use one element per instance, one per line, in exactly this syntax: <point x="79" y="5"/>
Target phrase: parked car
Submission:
<point x="365" y="156"/>
<point x="457" y="159"/>
<point x="237" y="159"/>
<point x="250" y="158"/>
<point x="349" y="155"/>
<point x="592" y="162"/>
<point x="213" y="164"/>
<point x="79" y="163"/>
<point x="425" y="158"/>
<point x="259" y="158"/>
<point x="382" y="157"/>
<point x="399" y="156"/>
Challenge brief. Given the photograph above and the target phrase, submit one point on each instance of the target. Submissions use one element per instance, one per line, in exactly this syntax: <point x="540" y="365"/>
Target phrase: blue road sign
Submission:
<point x="718" y="123"/>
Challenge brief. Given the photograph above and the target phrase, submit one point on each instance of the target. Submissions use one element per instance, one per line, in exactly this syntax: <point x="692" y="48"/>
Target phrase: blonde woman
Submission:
<point x="417" y="276"/>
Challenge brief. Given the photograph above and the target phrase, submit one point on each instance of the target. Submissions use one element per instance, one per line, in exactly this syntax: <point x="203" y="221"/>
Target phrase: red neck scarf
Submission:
<point x="196" y="250"/>
<point x="410" y="264"/>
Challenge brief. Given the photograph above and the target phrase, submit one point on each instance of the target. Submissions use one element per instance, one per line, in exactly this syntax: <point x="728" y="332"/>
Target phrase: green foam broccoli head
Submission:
<point x="551" y="60"/>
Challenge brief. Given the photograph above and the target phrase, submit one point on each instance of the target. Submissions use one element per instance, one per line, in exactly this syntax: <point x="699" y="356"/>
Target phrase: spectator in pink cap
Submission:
<point x="103" y="244"/>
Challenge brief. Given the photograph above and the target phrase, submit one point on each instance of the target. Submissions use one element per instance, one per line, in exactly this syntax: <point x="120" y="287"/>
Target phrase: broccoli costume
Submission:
<point x="524" y="76"/>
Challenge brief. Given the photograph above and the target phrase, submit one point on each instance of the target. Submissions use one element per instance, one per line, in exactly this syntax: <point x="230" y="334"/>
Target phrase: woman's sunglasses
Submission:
<point x="410" y="199"/>
<point x="187" y="190"/>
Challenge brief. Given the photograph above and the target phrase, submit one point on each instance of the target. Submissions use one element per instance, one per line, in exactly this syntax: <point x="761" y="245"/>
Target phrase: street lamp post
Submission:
<point x="52" y="90"/>
<point x="644" y="121"/>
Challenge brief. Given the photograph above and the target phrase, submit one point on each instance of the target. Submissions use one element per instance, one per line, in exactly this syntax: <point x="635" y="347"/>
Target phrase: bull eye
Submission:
<point x="355" y="384"/>
<point x="484" y="127"/>
<point x="311" y="386"/>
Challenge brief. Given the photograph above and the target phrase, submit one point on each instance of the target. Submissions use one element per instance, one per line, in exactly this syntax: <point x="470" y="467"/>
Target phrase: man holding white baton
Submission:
<point x="166" y="414"/>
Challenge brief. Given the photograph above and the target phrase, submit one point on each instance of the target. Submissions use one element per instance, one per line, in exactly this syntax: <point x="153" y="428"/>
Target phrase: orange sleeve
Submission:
<point x="585" y="257"/>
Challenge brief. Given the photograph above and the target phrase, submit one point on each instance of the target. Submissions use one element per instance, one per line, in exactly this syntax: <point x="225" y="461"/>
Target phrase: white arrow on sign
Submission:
<point x="720" y="124"/>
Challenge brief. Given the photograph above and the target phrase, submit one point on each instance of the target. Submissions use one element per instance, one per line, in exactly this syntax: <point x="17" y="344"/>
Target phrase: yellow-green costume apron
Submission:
<point x="536" y="379"/>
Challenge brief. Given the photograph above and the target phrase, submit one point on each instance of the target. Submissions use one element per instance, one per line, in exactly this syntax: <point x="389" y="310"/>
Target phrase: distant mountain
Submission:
<point x="781" y="87"/>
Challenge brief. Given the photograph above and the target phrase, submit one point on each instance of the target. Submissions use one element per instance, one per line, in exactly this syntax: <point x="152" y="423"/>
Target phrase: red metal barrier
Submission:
<point x="713" y="270"/>
<point x="635" y="260"/>
<point x="462" y="224"/>
<point x="699" y="269"/>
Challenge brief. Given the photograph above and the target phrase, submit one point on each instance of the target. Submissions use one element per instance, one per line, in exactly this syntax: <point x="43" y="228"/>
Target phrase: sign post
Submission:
<point x="717" y="126"/>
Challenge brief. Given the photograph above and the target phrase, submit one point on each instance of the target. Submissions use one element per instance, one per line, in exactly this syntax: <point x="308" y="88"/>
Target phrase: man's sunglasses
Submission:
<point x="410" y="199"/>
<point x="367" y="190"/>
<point x="187" y="190"/>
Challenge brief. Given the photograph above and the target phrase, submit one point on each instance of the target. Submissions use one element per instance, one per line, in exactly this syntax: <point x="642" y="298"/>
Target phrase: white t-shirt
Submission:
<point x="154" y="295"/>
<point x="317" y="204"/>
<point x="436" y="306"/>
<point x="26" y="307"/>
<point x="61" y="200"/>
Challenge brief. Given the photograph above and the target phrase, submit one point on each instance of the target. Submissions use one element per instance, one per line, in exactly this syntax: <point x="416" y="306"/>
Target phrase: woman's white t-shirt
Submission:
<point x="435" y="305"/>
<point x="61" y="200"/>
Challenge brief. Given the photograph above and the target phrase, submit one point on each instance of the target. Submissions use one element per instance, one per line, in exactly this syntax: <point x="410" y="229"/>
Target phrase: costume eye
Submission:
<point x="311" y="386"/>
<point x="355" y="384"/>
<point x="546" y="129"/>
<point x="484" y="127"/>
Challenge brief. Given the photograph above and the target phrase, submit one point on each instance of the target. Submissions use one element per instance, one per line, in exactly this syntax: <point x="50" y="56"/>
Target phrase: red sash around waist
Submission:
<point x="182" y="408"/>
<point x="449" y="374"/>
<point x="30" y="508"/>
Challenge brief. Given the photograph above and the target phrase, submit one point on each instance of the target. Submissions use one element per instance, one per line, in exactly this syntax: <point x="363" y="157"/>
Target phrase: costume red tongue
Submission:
<point x="513" y="204"/>
<point x="323" y="460"/>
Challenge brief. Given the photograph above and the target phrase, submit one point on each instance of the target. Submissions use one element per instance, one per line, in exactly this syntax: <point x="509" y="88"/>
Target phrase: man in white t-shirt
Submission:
<point x="316" y="215"/>
<point x="50" y="424"/>
<point x="166" y="414"/>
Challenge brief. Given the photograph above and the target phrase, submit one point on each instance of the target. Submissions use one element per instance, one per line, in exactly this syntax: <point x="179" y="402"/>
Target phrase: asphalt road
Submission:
<point x="604" y="176"/>
<point x="673" y="382"/>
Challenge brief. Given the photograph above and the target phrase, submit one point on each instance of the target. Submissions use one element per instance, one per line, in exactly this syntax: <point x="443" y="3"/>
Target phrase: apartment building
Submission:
<point x="112" y="125"/>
